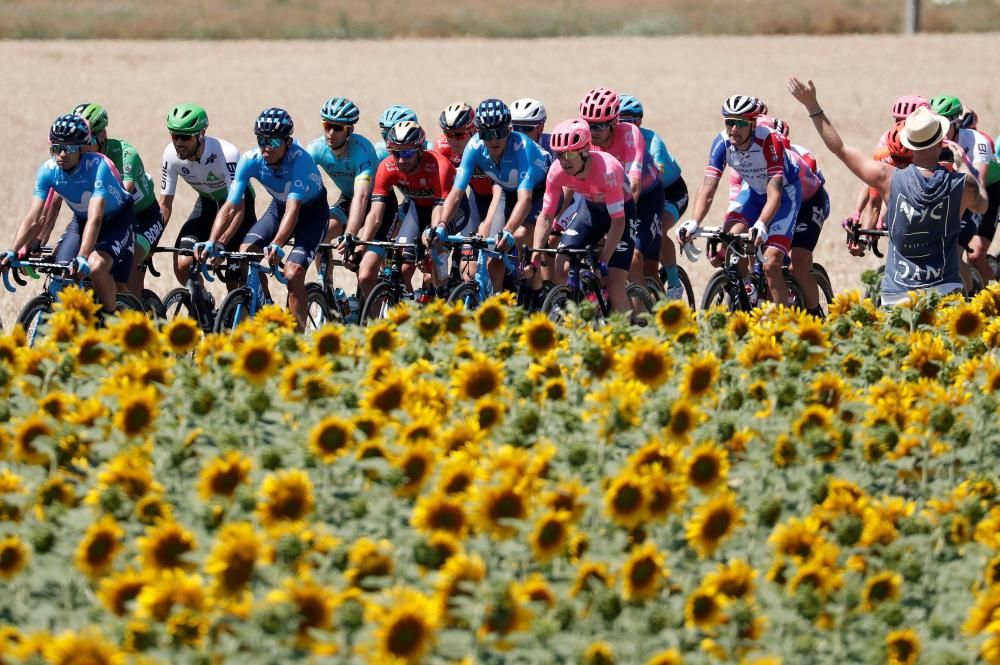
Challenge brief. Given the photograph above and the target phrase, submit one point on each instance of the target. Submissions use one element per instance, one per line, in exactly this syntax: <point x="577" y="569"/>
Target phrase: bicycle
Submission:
<point x="472" y="293"/>
<point x="583" y="285"/>
<point x="32" y="315"/>
<point x="390" y="289"/>
<point x="659" y="287"/>
<point x="726" y="286"/>
<point x="324" y="302"/>
<point x="243" y="302"/>
<point x="192" y="298"/>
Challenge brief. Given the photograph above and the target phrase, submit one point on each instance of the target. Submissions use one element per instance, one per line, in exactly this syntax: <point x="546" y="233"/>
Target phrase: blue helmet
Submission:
<point x="630" y="106"/>
<point x="274" y="122"/>
<point x="492" y="114"/>
<point x="396" y="113"/>
<point x="71" y="129"/>
<point x="340" y="110"/>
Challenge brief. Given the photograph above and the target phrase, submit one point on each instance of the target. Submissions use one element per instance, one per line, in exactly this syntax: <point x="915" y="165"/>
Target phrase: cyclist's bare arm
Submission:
<point x="373" y="221"/>
<point x="166" y="203"/>
<point x="487" y="220"/>
<point x="974" y="195"/>
<point x="451" y="202"/>
<point x="543" y="227"/>
<point x="222" y="228"/>
<point x="50" y="213"/>
<point x="773" y="202"/>
<point x="703" y="199"/>
<point x="356" y="216"/>
<point x="520" y="211"/>
<point x="30" y="225"/>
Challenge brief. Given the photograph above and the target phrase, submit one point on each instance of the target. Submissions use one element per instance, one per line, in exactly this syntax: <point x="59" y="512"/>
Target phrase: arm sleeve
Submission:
<point x="445" y="178"/>
<point x="774" y="155"/>
<point x="168" y="174"/>
<point x="367" y="163"/>
<point x="43" y="182"/>
<point x="553" y="190"/>
<point x="383" y="183"/>
<point x="716" y="158"/>
<point x="240" y="180"/>
<point x="658" y="149"/>
<point x="614" y="189"/>
<point x="103" y="179"/>
<point x="132" y="167"/>
<point x="301" y="171"/>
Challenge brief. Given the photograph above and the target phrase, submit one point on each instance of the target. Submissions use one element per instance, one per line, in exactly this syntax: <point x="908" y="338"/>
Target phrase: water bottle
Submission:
<point x="751" y="290"/>
<point x="340" y="298"/>
<point x="440" y="265"/>
<point x="354" y="307"/>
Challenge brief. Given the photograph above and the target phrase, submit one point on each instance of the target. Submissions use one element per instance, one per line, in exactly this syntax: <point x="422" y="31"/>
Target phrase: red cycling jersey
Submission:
<point x="481" y="183"/>
<point x="427" y="186"/>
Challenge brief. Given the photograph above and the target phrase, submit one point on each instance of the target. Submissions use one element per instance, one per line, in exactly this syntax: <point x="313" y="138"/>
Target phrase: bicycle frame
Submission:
<point x="487" y="251"/>
<point x="584" y="263"/>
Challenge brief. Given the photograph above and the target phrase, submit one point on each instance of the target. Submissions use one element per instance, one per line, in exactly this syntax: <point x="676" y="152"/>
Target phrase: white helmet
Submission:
<point x="527" y="111"/>
<point x="744" y="106"/>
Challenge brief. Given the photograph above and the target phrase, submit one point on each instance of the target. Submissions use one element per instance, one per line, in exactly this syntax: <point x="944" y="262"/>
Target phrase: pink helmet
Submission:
<point x="907" y="104"/>
<point x="570" y="135"/>
<point x="600" y="105"/>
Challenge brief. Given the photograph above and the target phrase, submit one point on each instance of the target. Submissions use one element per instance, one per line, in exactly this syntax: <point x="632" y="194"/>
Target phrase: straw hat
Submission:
<point x="923" y="129"/>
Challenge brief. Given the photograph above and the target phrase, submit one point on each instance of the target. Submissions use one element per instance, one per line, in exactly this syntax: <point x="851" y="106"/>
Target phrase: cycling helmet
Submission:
<point x="570" y="135"/>
<point x="600" y="105"/>
<point x="780" y="126"/>
<point x="340" y="110"/>
<point x="187" y="119"/>
<point x="71" y="129"/>
<point x="969" y="119"/>
<point x="742" y="106"/>
<point x="406" y="134"/>
<point x="492" y="114"/>
<point x="630" y="106"/>
<point x="897" y="150"/>
<point x="528" y="111"/>
<point x="274" y="122"/>
<point x="947" y="106"/>
<point x="456" y="116"/>
<point x="907" y="104"/>
<point x="761" y="107"/>
<point x="94" y="114"/>
<point x="396" y="113"/>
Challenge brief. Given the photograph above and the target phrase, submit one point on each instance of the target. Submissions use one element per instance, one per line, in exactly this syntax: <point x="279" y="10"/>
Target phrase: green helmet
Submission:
<point x="94" y="114"/>
<point x="948" y="106"/>
<point x="187" y="119"/>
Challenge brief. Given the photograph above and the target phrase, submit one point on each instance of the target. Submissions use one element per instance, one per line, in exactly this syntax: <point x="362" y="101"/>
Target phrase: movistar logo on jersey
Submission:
<point x="212" y="178"/>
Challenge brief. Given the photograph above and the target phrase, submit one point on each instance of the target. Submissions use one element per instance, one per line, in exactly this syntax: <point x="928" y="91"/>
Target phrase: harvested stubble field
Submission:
<point x="680" y="80"/>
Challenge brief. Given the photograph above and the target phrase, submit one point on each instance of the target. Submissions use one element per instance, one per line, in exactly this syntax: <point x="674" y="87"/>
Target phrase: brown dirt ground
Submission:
<point x="681" y="81"/>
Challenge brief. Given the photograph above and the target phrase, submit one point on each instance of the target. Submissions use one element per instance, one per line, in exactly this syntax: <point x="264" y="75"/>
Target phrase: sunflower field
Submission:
<point x="487" y="487"/>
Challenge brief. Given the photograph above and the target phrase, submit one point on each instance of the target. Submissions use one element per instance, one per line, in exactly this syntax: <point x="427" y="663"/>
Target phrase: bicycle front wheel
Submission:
<point x="717" y="293"/>
<point x="378" y="303"/>
<point x="32" y="316"/>
<point x="556" y="301"/>
<point x="466" y="293"/>
<point x="235" y="308"/>
<point x="127" y="301"/>
<point x="319" y="311"/>
<point x="825" y="288"/>
<point x="640" y="297"/>
<point x="153" y="305"/>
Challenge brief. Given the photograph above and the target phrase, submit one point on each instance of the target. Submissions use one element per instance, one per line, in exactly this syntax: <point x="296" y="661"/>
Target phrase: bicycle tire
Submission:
<point x="32" y="316"/>
<point x="318" y="310"/>
<point x="378" y="303"/>
<point x="717" y="294"/>
<point x="685" y="281"/>
<point x="235" y="308"/>
<point x="639" y="293"/>
<point x="177" y="302"/>
<point x="994" y="266"/>
<point x="825" y="288"/>
<point x="152" y="304"/>
<point x="127" y="301"/>
<point x="554" y="305"/>
<point x="466" y="293"/>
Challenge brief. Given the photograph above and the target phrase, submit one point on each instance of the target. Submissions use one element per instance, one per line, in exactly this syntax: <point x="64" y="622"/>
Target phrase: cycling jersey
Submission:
<point x="129" y="164"/>
<point x="481" y="183"/>
<point x="427" y="186"/>
<point x="665" y="163"/>
<point x="976" y="146"/>
<point x="545" y="143"/>
<point x="604" y="183"/>
<point x="522" y="164"/>
<point x="993" y="172"/>
<point x="210" y="175"/>
<point x="628" y="147"/>
<point x="295" y="177"/>
<point x="356" y="166"/>
<point x="91" y="177"/>
<point x="764" y="159"/>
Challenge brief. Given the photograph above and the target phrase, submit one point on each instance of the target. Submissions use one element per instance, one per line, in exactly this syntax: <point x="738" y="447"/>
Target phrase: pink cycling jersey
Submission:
<point x="604" y="182"/>
<point x="627" y="146"/>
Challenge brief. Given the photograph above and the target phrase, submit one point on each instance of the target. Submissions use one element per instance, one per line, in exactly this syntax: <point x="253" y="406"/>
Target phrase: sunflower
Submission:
<point x="79" y="302"/>
<point x="286" y="496"/>
<point x="699" y="376"/>
<point x="984" y="611"/>
<point x="707" y="467"/>
<point x="479" y="377"/>
<point x="549" y="537"/>
<point x="458" y="473"/>
<point x="535" y="590"/>
<point x="416" y="463"/>
<point x="313" y="603"/>
<point x="626" y="499"/>
<point x="822" y="578"/>
<point x="328" y="340"/>
<point x="903" y="647"/>
<point x="879" y="588"/>
<point x="712" y="522"/>
<point x="381" y="337"/>
<point x="26" y="437"/>
<point x="829" y="390"/>
<point x="407" y="625"/>
<point x="554" y="390"/>
<point x="118" y="590"/>
<point x="166" y="546"/>
<point x="495" y="504"/>
<point x="489" y="412"/>
<point x="797" y="538"/>
<point x="232" y="562"/>
<point x="491" y="316"/>
<point x="223" y="475"/>
<point x="256" y="359"/>
<point x="673" y="315"/>
<point x="600" y="653"/>
<point x="927" y="355"/>
<point x="644" y="573"/>
<point x="88" y="646"/>
<point x="167" y="590"/>
<point x="136" y="413"/>
<point x="570" y="496"/>
<point x="14" y="556"/>
<point x="813" y="417"/>
<point x="668" y="657"/>
<point x="684" y="417"/>
<point x="131" y="471"/>
<point x="656" y="451"/>
<point x="388" y="393"/>
<point x="458" y="572"/>
<point x="647" y="361"/>
<point x="598" y="355"/>
<point x="966" y="321"/>
<point x="275" y="318"/>
<point x="366" y="558"/>
<point x="182" y="334"/>
<point x="100" y="544"/>
<point x="666" y="494"/>
<point x="588" y="576"/>
<point x="734" y="580"/>
<point x="331" y="438"/>
<point x="134" y="332"/>
<point x="760" y="349"/>
<point x="63" y="327"/>
<point x="539" y="335"/>
<point x="440" y="512"/>
<point x="739" y="324"/>
<point x="704" y="609"/>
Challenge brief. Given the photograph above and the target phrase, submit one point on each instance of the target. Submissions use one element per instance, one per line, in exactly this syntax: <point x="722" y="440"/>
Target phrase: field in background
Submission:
<point x="350" y="19"/>
<point x="680" y="80"/>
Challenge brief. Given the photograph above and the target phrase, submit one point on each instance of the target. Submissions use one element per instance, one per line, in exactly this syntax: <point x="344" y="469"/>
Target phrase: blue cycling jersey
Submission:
<point x="664" y="161"/>
<point x="356" y="166"/>
<point x="295" y="177"/>
<point x="381" y="151"/>
<point x="522" y="166"/>
<point x="92" y="177"/>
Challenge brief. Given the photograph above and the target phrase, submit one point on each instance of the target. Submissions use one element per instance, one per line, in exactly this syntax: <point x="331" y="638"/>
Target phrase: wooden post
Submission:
<point x="911" y="17"/>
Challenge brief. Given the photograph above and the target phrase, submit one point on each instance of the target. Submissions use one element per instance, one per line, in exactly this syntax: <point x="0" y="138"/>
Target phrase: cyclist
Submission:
<point x="512" y="161"/>
<point x="298" y="205"/>
<point x="675" y="192"/>
<point x="528" y="116"/>
<point x="149" y="222"/>
<point x="425" y="178"/>
<point x="207" y="164"/>
<point x="624" y="141"/>
<point x="457" y="129"/>
<point x="977" y="230"/>
<point x="99" y="239"/>
<point x="391" y="116"/>
<point x="769" y="198"/>
<point x="600" y="179"/>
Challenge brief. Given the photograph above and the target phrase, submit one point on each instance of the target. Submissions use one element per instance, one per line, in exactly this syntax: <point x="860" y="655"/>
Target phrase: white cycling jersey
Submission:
<point x="210" y="176"/>
<point x="976" y="146"/>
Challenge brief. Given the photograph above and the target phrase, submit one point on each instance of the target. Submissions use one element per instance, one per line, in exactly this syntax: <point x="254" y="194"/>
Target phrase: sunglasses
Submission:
<point x="567" y="155"/>
<point x="736" y="122"/>
<point x="404" y="154"/>
<point x="68" y="148"/>
<point x="464" y="134"/>
<point x="184" y="138"/>
<point x="269" y="142"/>
<point x="498" y="133"/>
<point x="332" y="126"/>
<point x="525" y="129"/>
<point x="599" y="126"/>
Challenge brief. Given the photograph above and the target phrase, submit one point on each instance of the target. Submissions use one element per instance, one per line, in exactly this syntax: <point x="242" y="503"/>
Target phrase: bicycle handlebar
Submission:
<point x="17" y="265"/>
<point x="855" y="235"/>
